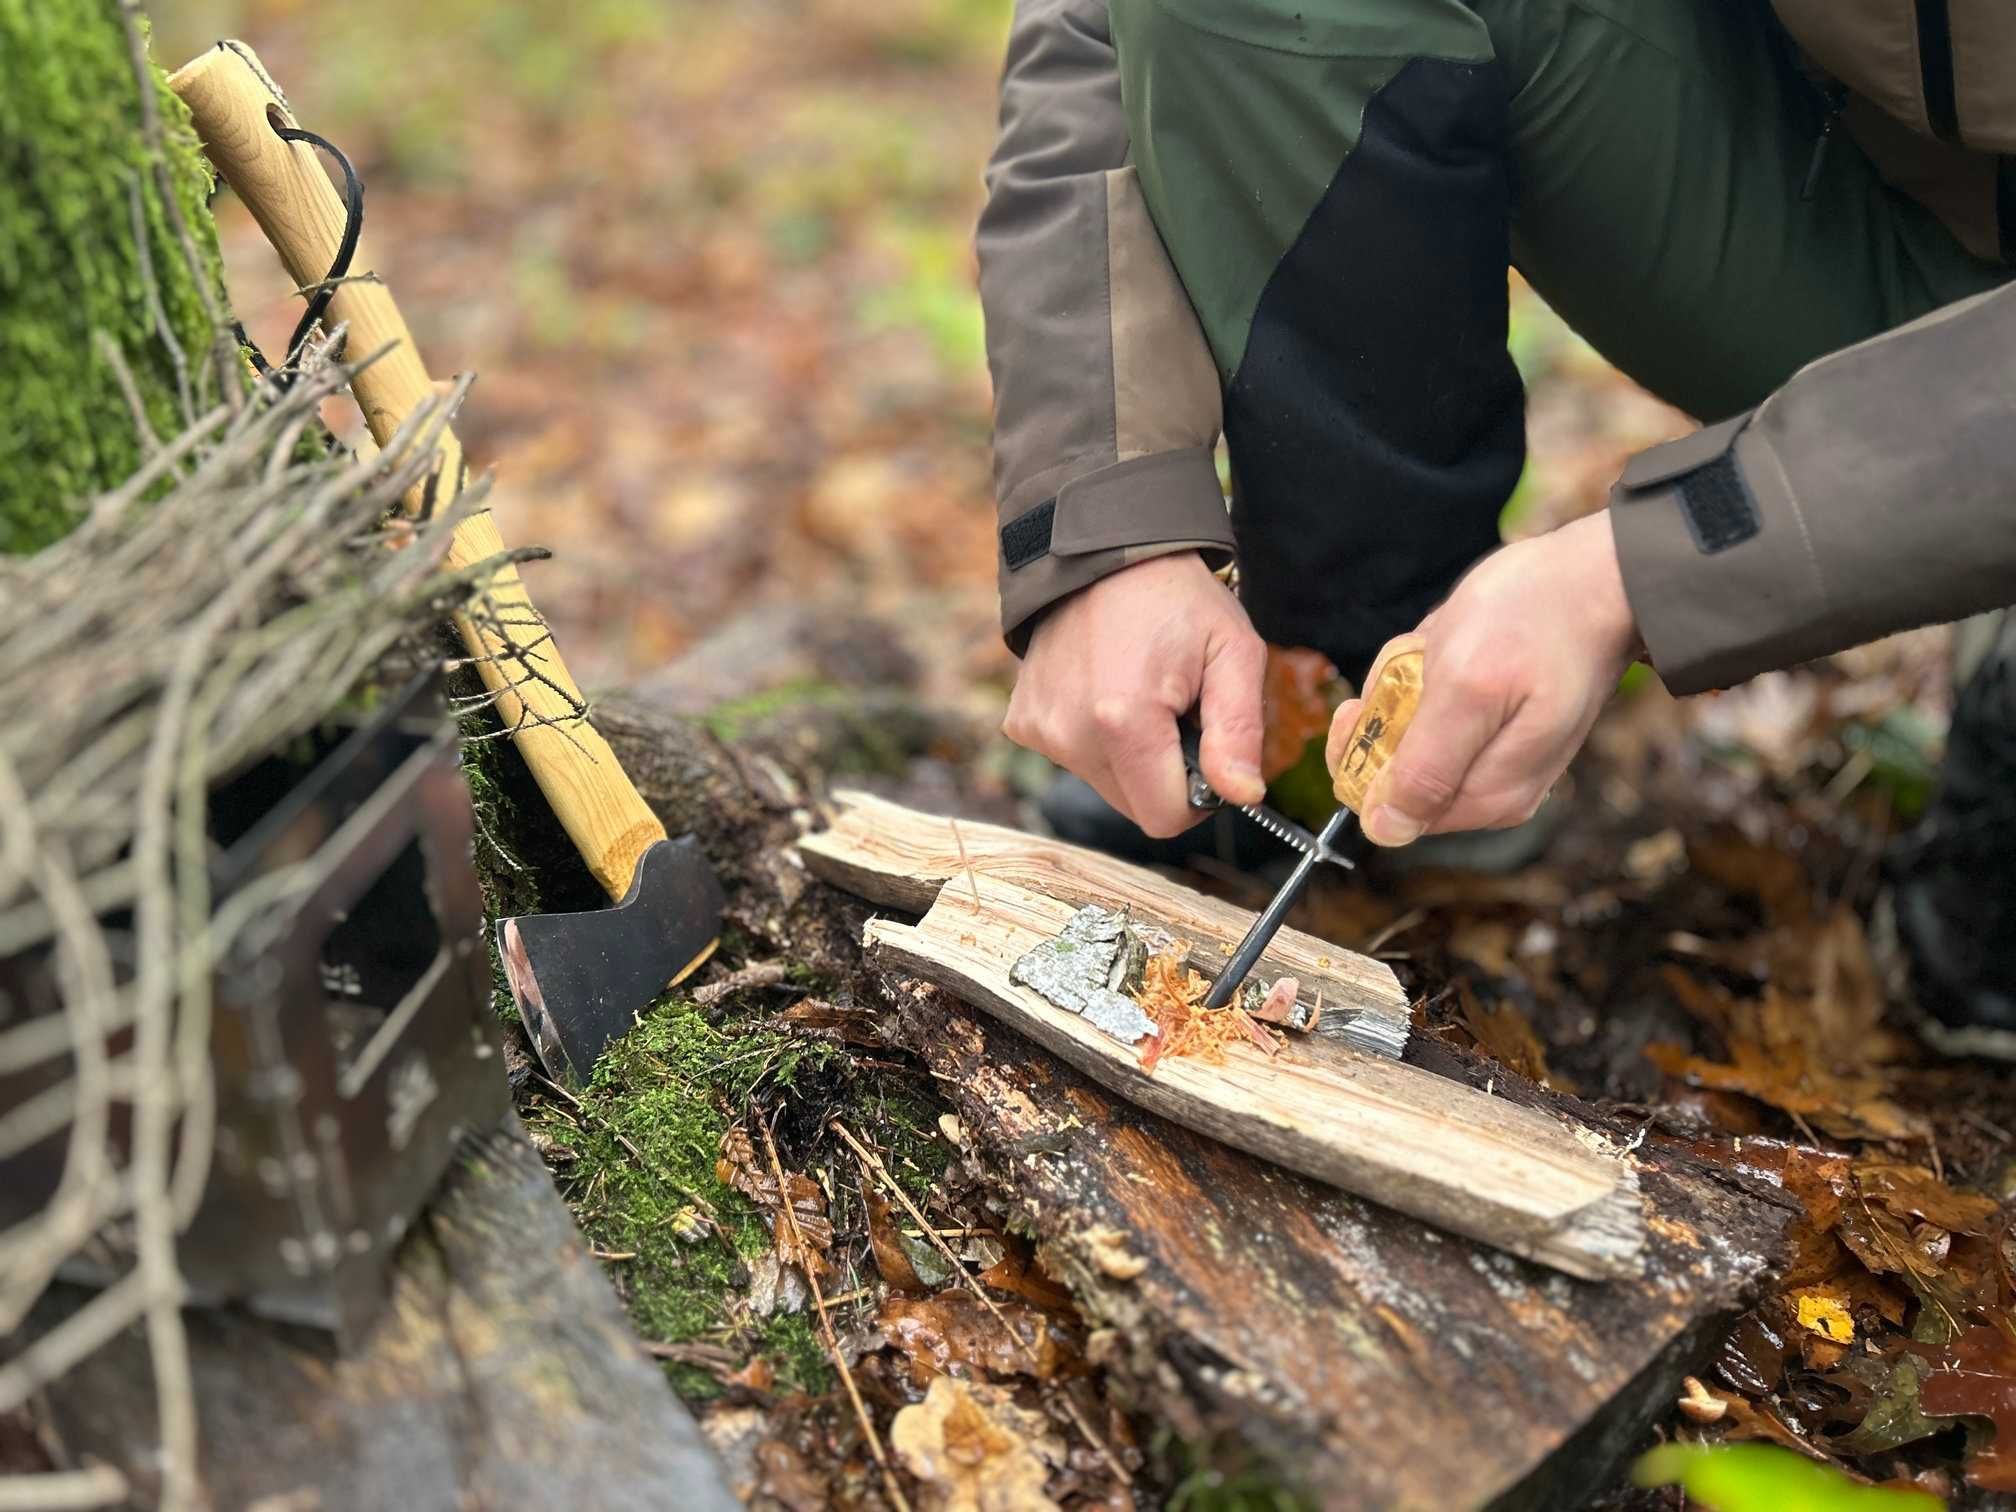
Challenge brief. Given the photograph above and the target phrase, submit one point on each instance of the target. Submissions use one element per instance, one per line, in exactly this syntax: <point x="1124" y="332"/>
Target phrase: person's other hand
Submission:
<point x="1110" y="669"/>
<point x="1519" y="660"/>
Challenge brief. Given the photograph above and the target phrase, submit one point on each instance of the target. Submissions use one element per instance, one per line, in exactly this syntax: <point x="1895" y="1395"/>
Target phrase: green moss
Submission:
<point x="646" y="1139"/>
<point x="1224" y="1476"/>
<point x="71" y="152"/>
<point x="731" y="721"/>
<point x="665" y="1092"/>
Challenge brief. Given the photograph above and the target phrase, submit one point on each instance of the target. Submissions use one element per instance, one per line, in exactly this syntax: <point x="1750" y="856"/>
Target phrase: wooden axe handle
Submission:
<point x="1393" y="694"/>
<point x="236" y="108"/>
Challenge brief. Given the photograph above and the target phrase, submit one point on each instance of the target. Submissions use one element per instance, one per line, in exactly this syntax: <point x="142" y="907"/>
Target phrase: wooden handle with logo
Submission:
<point x="1393" y="693"/>
<point x="236" y="108"/>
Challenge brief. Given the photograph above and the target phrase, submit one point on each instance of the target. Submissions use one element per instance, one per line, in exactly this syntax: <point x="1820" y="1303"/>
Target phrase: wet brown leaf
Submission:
<point x="1768" y="873"/>
<point x="972" y="1449"/>
<point x="1504" y="1033"/>
<point x="783" y="1476"/>
<point x="1791" y="1054"/>
<point x="1020" y="1272"/>
<point x="740" y="1167"/>
<point x="1752" y="1357"/>
<point x="954" y="1333"/>
<point x="885" y="1238"/>
<point x="1911" y="1191"/>
<point x="1980" y="1381"/>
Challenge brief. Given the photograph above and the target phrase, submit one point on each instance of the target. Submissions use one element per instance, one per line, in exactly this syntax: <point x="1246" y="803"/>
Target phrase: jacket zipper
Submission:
<point x="1836" y="97"/>
<point x="1935" y="68"/>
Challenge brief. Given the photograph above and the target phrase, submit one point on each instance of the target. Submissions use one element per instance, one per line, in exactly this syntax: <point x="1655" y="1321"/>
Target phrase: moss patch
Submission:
<point x="71" y="154"/>
<point x="645" y="1143"/>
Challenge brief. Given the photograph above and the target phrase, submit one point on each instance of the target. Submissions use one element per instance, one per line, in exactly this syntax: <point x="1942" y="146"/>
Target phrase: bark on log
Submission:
<point x="504" y="1374"/>
<point x="1374" y="1361"/>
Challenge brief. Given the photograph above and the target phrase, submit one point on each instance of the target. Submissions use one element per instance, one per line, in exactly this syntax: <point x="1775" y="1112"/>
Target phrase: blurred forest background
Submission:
<point x="713" y="266"/>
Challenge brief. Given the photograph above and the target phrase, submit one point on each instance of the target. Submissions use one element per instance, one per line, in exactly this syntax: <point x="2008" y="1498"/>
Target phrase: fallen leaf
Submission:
<point x="1504" y="1033"/>
<point x="1980" y="1382"/>
<point x="1913" y="1192"/>
<point x="954" y="1333"/>
<point x="784" y="1477"/>
<point x="1892" y="1417"/>
<point x="1769" y="873"/>
<point x="1782" y="1053"/>
<point x="1020" y="1272"/>
<point x="1741" y="1418"/>
<point x="972" y="1449"/>
<point x="885" y="1239"/>
<point x="1752" y="1357"/>
<point x="1825" y="1313"/>
<point x="757" y="1375"/>
<point x="804" y="1240"/>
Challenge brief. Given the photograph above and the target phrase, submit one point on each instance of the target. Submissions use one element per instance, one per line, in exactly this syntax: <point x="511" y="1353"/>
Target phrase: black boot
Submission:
<point x="1956" y="876"/>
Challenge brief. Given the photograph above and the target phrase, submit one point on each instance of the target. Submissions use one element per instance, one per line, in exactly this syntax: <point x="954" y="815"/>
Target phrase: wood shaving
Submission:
<point x="1172" y="996"/>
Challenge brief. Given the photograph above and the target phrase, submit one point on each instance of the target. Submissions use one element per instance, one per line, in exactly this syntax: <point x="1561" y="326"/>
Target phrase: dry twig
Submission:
<point x="879" y="1173"/>
<point x="790" y="1219"/>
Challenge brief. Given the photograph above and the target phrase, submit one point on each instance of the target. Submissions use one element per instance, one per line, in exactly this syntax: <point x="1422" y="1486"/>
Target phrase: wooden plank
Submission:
<point x="503" y="1374"/>
<point x="900" y="858"/>
<point x="1368" y="1360"/>
<point x="1514" y="1177"/>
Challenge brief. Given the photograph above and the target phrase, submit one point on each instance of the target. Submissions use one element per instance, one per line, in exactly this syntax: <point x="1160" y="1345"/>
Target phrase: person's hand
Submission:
<point x="1110" y="669"/>
<point x="1519" y="660"/>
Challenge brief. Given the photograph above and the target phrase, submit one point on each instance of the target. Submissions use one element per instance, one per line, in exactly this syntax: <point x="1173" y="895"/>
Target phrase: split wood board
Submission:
<point x="502" y="1374"/>
<point x="1365" y="1359"/>
<point x="901" y="858"/>
<point x="1516" y="1178"/>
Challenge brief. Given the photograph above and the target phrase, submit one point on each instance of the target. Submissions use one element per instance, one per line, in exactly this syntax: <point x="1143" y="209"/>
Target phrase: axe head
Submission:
<point x="581" y="979"/>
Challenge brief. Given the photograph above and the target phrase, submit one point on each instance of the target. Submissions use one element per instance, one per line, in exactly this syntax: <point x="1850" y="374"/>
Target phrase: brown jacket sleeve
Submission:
<point x="1874" y="492"/>
<point x="1106" y="401"/>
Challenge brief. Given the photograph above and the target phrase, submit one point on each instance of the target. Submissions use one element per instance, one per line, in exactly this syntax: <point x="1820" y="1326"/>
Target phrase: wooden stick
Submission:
<point x="872" y="1163"/>
<point x="901" y="858"/>
<point x="236" y="109"/>
<point x="1514" y="1177"/>
<point x="790" y="1220"/>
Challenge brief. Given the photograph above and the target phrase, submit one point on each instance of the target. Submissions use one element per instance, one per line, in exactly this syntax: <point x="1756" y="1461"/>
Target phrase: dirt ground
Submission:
<point x="712" y="265"/>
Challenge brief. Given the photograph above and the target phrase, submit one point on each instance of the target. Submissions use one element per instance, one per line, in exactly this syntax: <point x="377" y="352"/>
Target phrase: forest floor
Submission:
<point x="712" y="265"/>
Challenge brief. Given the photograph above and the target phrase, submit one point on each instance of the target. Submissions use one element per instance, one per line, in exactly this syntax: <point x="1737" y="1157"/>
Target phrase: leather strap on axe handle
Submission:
<point x="236" y="108"/>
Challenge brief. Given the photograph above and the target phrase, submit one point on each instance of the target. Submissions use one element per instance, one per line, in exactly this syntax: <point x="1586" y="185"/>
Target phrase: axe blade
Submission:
<point x="581" y="979"/>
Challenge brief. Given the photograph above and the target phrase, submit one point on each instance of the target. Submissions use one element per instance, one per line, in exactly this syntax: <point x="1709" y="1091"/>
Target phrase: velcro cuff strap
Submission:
<point x="1027" y="536"/>
<point x="1165" y="496"/>
<point x="1715" y="499"/>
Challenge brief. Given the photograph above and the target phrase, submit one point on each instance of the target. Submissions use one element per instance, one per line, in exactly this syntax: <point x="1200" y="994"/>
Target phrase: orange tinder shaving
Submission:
<point x="1173" y="996"/>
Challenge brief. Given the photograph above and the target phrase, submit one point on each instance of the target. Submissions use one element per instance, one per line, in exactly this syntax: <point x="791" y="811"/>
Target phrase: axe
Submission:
<point x="579" y="979"/>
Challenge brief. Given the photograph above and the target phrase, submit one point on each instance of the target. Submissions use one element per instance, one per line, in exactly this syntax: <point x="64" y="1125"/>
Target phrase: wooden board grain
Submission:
<point x="1516" y="1178"/>
<point x="900" y="858"/>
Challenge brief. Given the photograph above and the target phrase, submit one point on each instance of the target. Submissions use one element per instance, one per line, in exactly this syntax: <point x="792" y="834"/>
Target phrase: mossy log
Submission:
<point x="109" y="269"/>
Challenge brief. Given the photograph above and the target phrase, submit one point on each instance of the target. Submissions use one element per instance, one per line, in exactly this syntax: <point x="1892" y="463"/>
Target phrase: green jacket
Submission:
<point x="1873" y="485"/>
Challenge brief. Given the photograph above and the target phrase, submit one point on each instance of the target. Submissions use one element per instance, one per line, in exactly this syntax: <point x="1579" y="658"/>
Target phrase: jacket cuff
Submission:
<point x="1716" y="560"/>
<point x="1105" y="520"/>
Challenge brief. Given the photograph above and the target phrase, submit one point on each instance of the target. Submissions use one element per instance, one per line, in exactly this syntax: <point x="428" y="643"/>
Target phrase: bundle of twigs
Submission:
<point x="223" y="601"/>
